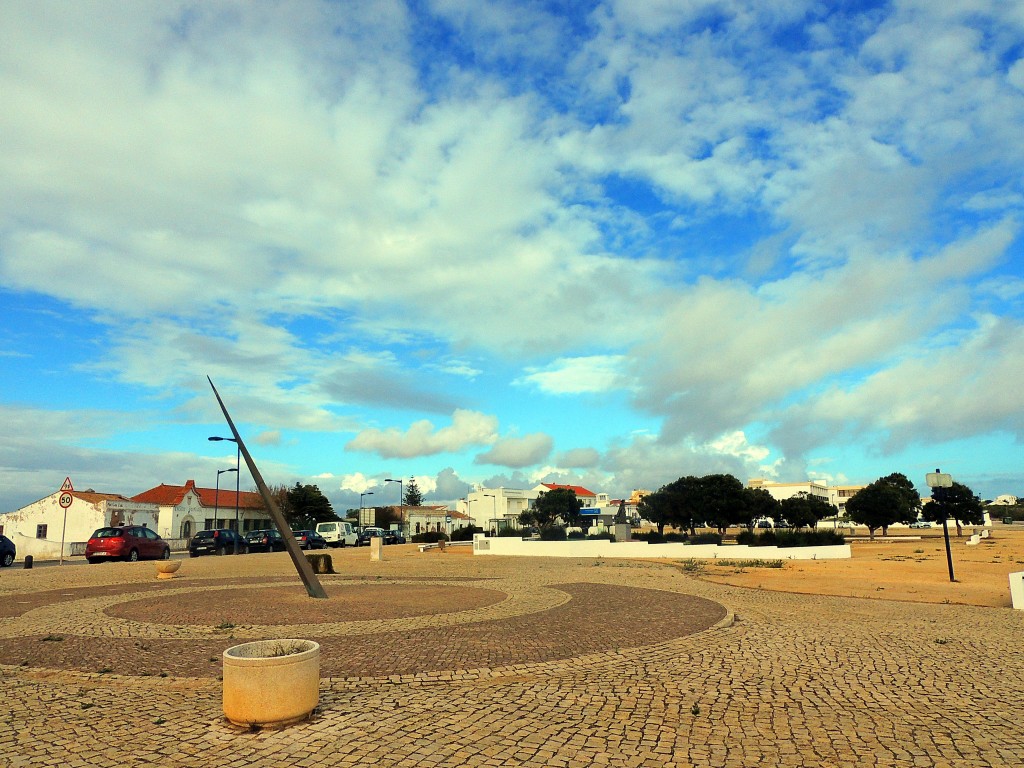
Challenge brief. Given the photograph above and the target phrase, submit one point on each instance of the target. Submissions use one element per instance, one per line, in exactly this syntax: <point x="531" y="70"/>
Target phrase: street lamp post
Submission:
<point x="360" y="521"/>
<point x="494" y="510"/>
<point x="401" y="501"/>
<point x="216" y="495"/>
<point x="238" y="464"/>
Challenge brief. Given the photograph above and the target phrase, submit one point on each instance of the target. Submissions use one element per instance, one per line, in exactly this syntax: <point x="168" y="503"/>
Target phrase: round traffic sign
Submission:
<point x="65" y="499"/>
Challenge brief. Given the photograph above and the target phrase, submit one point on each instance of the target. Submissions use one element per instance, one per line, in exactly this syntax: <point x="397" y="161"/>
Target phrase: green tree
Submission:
<point x="412" y="497"/>
<point x="656" y="507"/>
<point x="559" y="504"/>
<point x="957" y="502"/>
<point x="685" y="501"/>
<point x="723" y="501"/>
<point x="760" y="504"/>
<point x="804" y="511"/>
<point x="308" y="506"/>
<point x="888" y="500"/>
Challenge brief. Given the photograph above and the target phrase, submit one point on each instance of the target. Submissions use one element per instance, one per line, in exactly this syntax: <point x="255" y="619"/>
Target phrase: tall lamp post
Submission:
<point x="360" y="521"/>
<point x="494" y="510"/>
<point x="216" y="495"/>
<point x="238" y="459"/>
<point x="401" y="502"/>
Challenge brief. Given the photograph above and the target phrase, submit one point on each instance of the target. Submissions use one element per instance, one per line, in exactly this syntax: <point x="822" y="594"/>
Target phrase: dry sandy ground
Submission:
<point x="903" y="567"/>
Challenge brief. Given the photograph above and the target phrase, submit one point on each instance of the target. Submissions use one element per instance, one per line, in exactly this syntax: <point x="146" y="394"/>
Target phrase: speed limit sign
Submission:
<point x="65" y="499"/>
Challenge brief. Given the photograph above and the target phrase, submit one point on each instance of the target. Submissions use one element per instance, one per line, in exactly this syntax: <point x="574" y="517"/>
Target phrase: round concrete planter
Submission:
<point x="165" y="569"/>
<point x="271" y="682"/>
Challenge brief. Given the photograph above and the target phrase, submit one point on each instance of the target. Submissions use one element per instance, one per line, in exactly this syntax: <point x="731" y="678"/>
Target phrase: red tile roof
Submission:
<point x="579" y="490"/>
<point x="171" y="495"/>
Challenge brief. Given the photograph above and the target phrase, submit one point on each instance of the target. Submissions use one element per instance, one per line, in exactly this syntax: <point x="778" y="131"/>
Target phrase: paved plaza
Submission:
<point x="444" y="659"/>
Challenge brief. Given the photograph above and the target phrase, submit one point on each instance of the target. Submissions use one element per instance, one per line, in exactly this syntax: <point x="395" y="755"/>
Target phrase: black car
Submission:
<point x="264" y="540"/>
<point x="394" y="537"/>
<point x="7" y="551"/>
<point x="310" y="540"/>
<point x="216" y="541"/>
<point x="367" y="534"/>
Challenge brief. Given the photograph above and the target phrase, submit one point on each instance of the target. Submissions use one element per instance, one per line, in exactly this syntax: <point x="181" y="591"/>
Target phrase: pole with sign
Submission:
<point x="65" y="500"/>
<point x="939" y="482"/>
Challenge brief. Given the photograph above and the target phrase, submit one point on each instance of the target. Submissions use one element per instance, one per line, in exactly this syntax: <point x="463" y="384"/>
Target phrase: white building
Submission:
<point x="496" y="508"/>
<point x="173" y="511"/>
<point x="41" y="528"/>
<point x="185" y="509"/>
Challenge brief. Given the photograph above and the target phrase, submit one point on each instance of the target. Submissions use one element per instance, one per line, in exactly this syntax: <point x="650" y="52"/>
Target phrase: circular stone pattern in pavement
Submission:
<point x="484" y="628"/>
<point x="275" y="606"/>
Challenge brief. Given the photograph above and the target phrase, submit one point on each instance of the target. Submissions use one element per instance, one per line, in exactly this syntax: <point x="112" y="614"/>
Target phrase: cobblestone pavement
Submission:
<point x="443" y="659"/>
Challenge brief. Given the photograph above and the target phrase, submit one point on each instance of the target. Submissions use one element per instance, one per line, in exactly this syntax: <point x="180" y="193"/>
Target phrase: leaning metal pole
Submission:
<point x="302" y="565"/>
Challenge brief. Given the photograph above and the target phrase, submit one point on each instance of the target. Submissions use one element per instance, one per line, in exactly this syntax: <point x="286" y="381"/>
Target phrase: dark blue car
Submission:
<point x="7" y="551"/>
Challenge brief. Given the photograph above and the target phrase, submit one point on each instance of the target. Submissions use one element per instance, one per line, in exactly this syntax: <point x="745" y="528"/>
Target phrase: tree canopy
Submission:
<point x="307" y="507"/>
<point x="559" y="504"/>
<point x="957" y="502"/>
<point x="412" y="496"/>
<point x="804" y="511"/>
<point x="890" y="499"/>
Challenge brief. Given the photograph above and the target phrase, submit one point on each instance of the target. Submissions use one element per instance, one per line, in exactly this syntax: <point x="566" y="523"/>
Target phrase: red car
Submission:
<point x="125" y="542"/>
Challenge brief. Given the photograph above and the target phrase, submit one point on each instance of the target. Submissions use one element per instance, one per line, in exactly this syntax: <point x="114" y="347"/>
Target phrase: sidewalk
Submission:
<point x="435" y="659"/>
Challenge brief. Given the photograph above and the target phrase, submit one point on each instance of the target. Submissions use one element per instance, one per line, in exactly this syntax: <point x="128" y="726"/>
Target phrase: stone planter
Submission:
<point x="165" y="569"/>
<point x="271" y="682"/>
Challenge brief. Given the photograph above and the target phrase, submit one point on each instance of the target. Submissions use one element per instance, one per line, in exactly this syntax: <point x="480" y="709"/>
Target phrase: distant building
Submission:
<point x="1005" y="500"/>
<point x="185" y="509"/>
<point x="41" y="528"/>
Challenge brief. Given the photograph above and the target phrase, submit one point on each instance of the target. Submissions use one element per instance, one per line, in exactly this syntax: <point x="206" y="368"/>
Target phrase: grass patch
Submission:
<point x="751" y="563"/>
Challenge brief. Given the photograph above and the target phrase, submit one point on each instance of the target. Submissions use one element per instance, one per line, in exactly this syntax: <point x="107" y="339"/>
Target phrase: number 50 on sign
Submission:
<point x="65" y="499"/>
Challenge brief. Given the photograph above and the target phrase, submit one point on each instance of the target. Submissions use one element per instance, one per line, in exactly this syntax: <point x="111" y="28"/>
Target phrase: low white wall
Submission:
<point x="508" y="545"/>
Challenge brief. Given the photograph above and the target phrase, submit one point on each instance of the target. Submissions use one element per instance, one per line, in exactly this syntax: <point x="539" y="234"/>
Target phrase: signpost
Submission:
<point x="65" y="500"/>
<point x="939" y="482"/>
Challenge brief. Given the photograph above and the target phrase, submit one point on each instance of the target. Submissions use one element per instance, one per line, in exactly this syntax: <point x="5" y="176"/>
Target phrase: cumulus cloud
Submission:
<point x="564" y="376"/>
<point x="468" y="428"/>
<point x="518" y="451"/>
<point x="579" y="458"/>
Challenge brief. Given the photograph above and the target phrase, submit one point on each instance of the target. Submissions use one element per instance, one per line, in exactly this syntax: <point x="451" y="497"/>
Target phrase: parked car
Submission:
<point x="310" y="540"/>
<point x="125" y="542"/>
<point x="264" y="540"/>
<point x="921" y="524"/>
<point x="369" y="533"/>
<point x="7" y="552"/>
<point x="394" y="537"/>
<point x="338" y="533"/>
<point x="216" y="541"/>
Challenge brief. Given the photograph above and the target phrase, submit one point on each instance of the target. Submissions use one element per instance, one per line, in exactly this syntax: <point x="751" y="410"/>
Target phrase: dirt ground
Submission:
<point x="902" y="567"/>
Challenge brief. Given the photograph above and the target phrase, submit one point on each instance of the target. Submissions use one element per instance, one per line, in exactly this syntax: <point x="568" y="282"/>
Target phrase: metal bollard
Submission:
<point x="28" y="561"/>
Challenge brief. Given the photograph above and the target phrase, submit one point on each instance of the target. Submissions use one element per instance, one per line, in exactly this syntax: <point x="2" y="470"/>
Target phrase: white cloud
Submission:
<point x="564" y="376"/>
<point x="357" y="482"/>
<point x="468" y="428"/>
<point x="518" y="452"/>
<point x="579" y="458"/>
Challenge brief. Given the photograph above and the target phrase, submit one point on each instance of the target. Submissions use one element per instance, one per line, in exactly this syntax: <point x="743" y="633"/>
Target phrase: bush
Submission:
<point x="429" y="537"/>
<point x="606" y="536"/>
<point x="707" y="538"/>
<point x="553" y="533"/>
<point x="466" y="534"/>
<point x="651" y="537"/>
<point x="676" y="537"/>
<point x="576" y="535"/>
<point x="516" y="533"/>
<point x="774" y="538"/>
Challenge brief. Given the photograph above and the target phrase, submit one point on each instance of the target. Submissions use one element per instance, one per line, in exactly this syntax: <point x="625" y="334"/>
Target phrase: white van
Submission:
<point x="337" y="533"/>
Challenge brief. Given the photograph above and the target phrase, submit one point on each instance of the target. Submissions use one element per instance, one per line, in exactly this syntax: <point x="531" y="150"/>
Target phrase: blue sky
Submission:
<point x="498" y="243"/>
